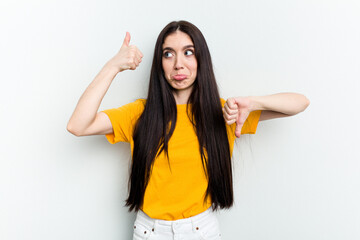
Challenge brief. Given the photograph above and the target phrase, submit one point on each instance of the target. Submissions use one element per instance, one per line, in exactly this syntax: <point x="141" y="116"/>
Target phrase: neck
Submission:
<point x="182" y="96"/>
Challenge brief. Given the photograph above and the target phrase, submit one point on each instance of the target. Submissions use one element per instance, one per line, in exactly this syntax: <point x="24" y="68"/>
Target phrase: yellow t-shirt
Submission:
<point x="174" y="191"/>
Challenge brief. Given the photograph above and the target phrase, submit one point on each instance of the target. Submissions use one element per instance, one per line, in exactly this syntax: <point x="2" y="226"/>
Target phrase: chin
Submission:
<point x="182" y="88"/>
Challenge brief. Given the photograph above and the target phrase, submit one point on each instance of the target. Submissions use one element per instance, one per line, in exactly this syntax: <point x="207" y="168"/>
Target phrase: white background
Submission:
<point x="297" y="178"/>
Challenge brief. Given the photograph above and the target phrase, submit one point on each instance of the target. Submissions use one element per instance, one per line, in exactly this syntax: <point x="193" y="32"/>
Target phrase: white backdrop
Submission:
<point x="297" y="178"/>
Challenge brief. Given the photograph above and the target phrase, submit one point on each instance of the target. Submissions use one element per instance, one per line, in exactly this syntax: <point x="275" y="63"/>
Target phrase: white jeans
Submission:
<point x="203" y="226"/>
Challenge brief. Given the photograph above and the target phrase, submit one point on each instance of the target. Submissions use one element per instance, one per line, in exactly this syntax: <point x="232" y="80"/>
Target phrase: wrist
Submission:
<point x="255" y="103"/>
<point x="111" y="68"/>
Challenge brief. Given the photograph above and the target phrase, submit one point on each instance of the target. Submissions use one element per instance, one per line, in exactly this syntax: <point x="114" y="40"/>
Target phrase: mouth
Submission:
<point x="179" y="77"/>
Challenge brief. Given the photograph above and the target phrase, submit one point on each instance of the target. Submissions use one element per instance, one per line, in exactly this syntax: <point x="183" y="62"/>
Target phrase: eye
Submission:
<point x="189" y="52"/>
<point x="168" y="54"/>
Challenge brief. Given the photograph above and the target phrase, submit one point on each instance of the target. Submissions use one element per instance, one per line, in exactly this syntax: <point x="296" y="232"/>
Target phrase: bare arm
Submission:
<point x="86" y="120"/>
<point x="273" y="106"/>
<point x="285" y="104"/>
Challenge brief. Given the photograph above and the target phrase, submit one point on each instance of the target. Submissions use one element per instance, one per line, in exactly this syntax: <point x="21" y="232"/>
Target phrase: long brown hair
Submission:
<point x="153" y="129"/>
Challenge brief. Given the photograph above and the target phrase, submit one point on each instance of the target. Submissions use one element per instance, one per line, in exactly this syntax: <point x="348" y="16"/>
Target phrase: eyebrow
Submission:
<point x="185" y="47"/>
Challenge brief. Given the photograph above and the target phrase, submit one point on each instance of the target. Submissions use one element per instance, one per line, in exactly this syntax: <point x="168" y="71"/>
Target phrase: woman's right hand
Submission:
<point x="128" y="57"/>
<point x="85" y="119"/>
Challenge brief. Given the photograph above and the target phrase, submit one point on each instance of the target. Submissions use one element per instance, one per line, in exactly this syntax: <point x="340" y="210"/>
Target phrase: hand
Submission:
<point x="128" y="57"/>
<point x="236" y="110"/>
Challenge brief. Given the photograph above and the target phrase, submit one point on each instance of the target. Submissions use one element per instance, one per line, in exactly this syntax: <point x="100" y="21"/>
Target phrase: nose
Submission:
<point x="178" y="63"/>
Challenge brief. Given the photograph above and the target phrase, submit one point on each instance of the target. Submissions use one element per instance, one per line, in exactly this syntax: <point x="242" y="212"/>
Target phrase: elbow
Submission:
<point x="71" y="129"/>
<point x="306" y="103"/>
<point x="299" y="105"/>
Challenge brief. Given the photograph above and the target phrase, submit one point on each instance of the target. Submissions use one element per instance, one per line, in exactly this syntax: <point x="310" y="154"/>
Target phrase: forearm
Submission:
<point x="287" y="103"/>
<point x="89" y="103"/>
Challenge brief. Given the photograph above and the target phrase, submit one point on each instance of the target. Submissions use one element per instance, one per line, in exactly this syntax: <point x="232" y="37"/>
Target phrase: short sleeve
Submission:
<point x="123" y="120"/>
<point x="251" y="123"/>
<point x="249" y="126"/>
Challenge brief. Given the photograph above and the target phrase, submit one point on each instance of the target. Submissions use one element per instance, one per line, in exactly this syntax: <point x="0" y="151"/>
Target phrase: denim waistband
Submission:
<point x="192" y="223"/>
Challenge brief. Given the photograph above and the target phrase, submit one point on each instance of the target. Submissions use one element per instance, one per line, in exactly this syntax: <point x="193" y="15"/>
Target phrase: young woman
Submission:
<point x="181" y="136"/>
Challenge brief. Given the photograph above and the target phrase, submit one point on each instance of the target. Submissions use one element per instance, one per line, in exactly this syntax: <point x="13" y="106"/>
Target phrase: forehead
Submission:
<point x="177" y="39"/>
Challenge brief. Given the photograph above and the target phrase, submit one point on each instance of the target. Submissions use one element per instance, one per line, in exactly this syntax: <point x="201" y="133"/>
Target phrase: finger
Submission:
<point x="230" y="122"/>
<point x="132" y="66"/>
<point x="229" y="110"/>
<point x="229" y="116"/>
<point x="231" y="103"/>
<point x="134" y="63"/>
<point x="127" y="39"/>
<point x="140" y="53"/>
<point x="135" y="53"/>
<point x="242" y="116"/>
<point x="239" y="125"/>
<point x="139" y="60"/>
<point x="138" y="57"/>
<point x="238" y="130"/>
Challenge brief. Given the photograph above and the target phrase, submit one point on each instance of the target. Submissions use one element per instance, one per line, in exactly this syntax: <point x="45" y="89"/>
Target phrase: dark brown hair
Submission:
<point x="153" y="130"/>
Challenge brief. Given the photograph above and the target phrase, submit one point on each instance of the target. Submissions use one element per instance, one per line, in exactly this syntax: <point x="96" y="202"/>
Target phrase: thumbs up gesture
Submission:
<point x="236" y="110"/>
<point x="128" y="57"/>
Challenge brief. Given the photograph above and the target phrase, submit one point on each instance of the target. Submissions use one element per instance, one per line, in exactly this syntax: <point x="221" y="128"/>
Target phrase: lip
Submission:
<point x="179" y="77"/>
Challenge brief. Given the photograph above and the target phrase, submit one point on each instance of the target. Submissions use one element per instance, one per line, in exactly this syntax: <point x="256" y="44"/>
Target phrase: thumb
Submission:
<point x="238" y="128"/>
<point x="127" y="39"/>
<point x="232" y="104"/>
<point x="239" y="122"/>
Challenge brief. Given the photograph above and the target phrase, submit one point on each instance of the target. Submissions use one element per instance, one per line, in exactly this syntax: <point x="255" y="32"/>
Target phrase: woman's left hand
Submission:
<point x="237" y="110"/>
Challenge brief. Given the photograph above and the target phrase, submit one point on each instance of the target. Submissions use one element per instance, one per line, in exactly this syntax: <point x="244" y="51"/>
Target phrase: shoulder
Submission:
<point x="137" y="103"/>
<point x="136" y="106"/>
<point x="132" y="110"/>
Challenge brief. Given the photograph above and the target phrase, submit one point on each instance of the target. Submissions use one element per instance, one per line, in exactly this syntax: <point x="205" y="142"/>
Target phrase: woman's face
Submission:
<point x="179" y="62"/>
